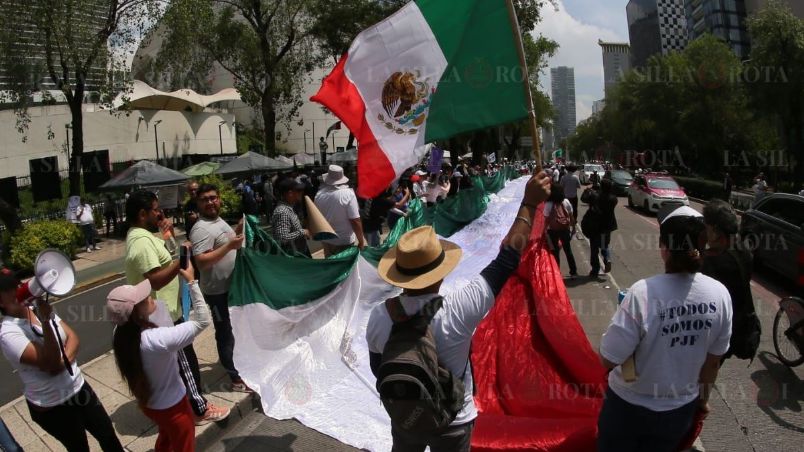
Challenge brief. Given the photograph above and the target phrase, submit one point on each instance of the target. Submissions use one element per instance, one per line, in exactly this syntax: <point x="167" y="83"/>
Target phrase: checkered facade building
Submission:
<point x="672" y="25"/>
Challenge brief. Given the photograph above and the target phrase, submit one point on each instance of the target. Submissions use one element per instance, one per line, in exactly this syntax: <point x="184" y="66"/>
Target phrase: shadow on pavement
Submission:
<point x="779" y="390"/>
<point x="282" y="443"/>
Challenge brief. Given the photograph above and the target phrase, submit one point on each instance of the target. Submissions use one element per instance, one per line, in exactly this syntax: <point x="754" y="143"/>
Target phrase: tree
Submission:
<point x="266" y="45"/>
<point x="338" y="22"/>
<point x="69" y="42"/>
<point x="777" y="61"/>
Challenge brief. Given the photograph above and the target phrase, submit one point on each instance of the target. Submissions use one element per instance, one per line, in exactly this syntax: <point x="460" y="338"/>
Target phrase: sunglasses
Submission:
<point x="207" y="199"/>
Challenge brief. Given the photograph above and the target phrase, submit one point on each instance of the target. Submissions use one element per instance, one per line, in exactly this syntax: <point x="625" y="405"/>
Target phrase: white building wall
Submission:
<point x="127" y="137"/>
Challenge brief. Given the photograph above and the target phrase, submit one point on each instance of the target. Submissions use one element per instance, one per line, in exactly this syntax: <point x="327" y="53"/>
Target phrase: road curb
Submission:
<point x="207" y="435"/>
<point x="95" y="282"/>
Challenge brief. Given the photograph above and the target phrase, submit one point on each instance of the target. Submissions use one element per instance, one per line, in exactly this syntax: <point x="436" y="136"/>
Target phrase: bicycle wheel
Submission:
<point x="786" y="350"/>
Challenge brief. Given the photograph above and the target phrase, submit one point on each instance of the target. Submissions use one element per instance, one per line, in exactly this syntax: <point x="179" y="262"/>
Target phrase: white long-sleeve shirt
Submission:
<point x="159" y="347"/>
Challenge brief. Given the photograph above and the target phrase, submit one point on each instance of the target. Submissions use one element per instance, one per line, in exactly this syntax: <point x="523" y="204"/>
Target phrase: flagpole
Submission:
<point x="534" y="127"/>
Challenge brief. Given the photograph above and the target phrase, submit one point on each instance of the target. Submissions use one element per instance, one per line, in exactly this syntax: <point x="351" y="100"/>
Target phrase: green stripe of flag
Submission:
<point x="483" y="83"/>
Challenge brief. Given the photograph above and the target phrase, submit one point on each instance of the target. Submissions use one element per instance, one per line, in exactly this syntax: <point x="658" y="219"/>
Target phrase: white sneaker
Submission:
<point x="89" y="249"/>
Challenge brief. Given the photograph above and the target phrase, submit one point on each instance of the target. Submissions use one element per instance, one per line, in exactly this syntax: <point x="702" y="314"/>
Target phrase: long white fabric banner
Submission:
<point x="311" y="362"/>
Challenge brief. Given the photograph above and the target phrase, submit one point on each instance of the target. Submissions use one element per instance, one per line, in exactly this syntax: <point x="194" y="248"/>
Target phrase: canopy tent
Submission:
<point x="144" y="97"/>
<point x="251" y="162"/>
<point x="144" y="174"/>
<point x="201" y="169"/>
<point x="348" y="156"/>
<point x="304" y="159"/>
<point x="285" y="160"/>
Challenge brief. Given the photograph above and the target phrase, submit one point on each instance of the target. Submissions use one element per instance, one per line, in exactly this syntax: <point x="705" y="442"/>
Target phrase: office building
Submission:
<point x="598" y="106"/>
<point x="29" y="46"/>
<point x="616" y="62"/>
<point x="796" y="6"/>
<point x="725" y="19"/>
<point x="562" y="83"/>
<point x="655" y="27"/>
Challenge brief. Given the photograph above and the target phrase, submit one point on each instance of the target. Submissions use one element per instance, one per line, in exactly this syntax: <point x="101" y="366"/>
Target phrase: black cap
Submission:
<point x="289" y="184"/>
<point x="8" y="280"/>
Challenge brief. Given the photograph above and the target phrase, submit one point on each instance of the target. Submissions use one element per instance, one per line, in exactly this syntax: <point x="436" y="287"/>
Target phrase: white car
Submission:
<point x="653" y="191"/>
<point x="588" y="169"/>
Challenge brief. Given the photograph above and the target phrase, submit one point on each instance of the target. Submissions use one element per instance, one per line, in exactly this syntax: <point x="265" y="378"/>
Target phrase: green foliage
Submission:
<point x="775" y="74"/>
<point x="230" y="200"/>
<point x="34" y="237"/>
<point x="266" y="45"/>
<point x="338" y="22"/>
<point x="693" y="101"/>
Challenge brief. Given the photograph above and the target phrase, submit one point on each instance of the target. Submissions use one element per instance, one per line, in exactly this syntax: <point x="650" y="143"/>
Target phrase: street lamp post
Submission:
<point x="305" y="140"/>
<point x="67" y="128"/>
<point x="220" y="137"/>
<point x="156" y="139"/>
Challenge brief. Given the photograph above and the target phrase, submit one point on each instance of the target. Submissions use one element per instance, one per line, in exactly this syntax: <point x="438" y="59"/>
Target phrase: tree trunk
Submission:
<point x="269" y="124"/>
<point x="77" y="150"/>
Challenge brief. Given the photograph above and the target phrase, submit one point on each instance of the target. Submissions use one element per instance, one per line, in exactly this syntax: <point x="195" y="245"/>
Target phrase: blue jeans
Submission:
<point x="224" y="339"/>
<point x="373" y="238"/>
<point x="623" y="427"/>
<point x="7" y="441"/>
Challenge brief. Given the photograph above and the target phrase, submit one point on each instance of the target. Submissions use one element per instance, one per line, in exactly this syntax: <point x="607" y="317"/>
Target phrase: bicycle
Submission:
<point x="788" y="331"/>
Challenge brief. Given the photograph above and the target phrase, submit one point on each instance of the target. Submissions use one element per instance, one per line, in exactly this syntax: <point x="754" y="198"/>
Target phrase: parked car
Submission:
<point x="621" y="180"/>
<point x="589" y="169"/>
<point x="652" y="191"/>
<point x="774" y="230"/>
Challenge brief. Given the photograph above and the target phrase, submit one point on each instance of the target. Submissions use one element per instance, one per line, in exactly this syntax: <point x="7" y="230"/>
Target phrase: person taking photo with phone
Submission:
<point x="146" y="345"/>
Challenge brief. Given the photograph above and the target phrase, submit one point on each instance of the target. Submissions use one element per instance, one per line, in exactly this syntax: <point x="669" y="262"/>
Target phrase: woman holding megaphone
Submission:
<point x="60" y="401"/>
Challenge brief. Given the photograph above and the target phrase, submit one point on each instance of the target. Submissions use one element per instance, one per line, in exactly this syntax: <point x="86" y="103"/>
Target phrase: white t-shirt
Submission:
<point x="41" y="388"/>
<point x="570" y="183"/>
<point x="86" y="214"/>
<point x="672" y="321"/>
<point x="548" y="207"/>
<point x="434" y="190"/>
<point x="338" y="205"/>
<point x="453" y="327"/>
<point x="159" y="348"/>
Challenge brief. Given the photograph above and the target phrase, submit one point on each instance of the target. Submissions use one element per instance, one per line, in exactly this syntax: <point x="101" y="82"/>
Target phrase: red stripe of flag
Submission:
<point x="342" y="98"/>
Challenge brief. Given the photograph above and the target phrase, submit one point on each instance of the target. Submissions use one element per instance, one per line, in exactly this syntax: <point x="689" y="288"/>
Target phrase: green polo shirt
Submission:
<point x="146" y="252"/>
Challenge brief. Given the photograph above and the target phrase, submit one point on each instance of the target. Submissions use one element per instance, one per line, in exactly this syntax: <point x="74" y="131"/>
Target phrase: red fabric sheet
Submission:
<point x="539" y="383"/>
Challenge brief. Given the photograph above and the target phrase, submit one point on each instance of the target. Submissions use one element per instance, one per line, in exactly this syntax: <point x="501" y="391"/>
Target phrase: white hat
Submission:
<point x="335" y="176"/>
<point x="670" y="211"/>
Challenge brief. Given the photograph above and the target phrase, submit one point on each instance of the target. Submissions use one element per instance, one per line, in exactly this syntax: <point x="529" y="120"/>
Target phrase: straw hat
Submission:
<point x="335" y="176"/>
<point x="419" y="259"/>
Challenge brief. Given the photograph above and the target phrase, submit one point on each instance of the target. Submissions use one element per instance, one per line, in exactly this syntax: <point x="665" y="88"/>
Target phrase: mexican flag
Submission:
<point x="432" y="70"/>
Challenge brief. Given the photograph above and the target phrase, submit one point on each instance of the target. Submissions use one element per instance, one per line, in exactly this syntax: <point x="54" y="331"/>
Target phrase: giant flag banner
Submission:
<point x="300" y="342"/>
<point x="434" y="69"/>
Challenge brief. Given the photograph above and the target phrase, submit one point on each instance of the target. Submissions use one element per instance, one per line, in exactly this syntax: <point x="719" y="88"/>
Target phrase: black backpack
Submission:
<point x="421" y="396"/>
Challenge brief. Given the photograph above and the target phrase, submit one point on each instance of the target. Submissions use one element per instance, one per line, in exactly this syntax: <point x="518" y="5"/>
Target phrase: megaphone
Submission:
<point x="319" y="227"/>
<point x="54" y="274"/>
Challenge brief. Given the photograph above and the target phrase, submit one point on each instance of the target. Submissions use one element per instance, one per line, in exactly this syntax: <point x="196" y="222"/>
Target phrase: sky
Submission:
<point x="576" y="26"/>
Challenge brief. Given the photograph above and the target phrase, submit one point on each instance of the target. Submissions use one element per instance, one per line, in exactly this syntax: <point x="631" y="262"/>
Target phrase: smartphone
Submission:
<point x="184" y="256"/>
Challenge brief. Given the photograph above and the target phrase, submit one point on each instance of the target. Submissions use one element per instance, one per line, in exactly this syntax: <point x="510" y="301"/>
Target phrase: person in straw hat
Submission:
<point x="338" y="204"/>
<point x="418" y="264"/>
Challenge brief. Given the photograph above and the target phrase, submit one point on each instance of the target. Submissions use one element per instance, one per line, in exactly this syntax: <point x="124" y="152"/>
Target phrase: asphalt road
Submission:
<point x="84" y="313"/>
<point x="757" y="406"/>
